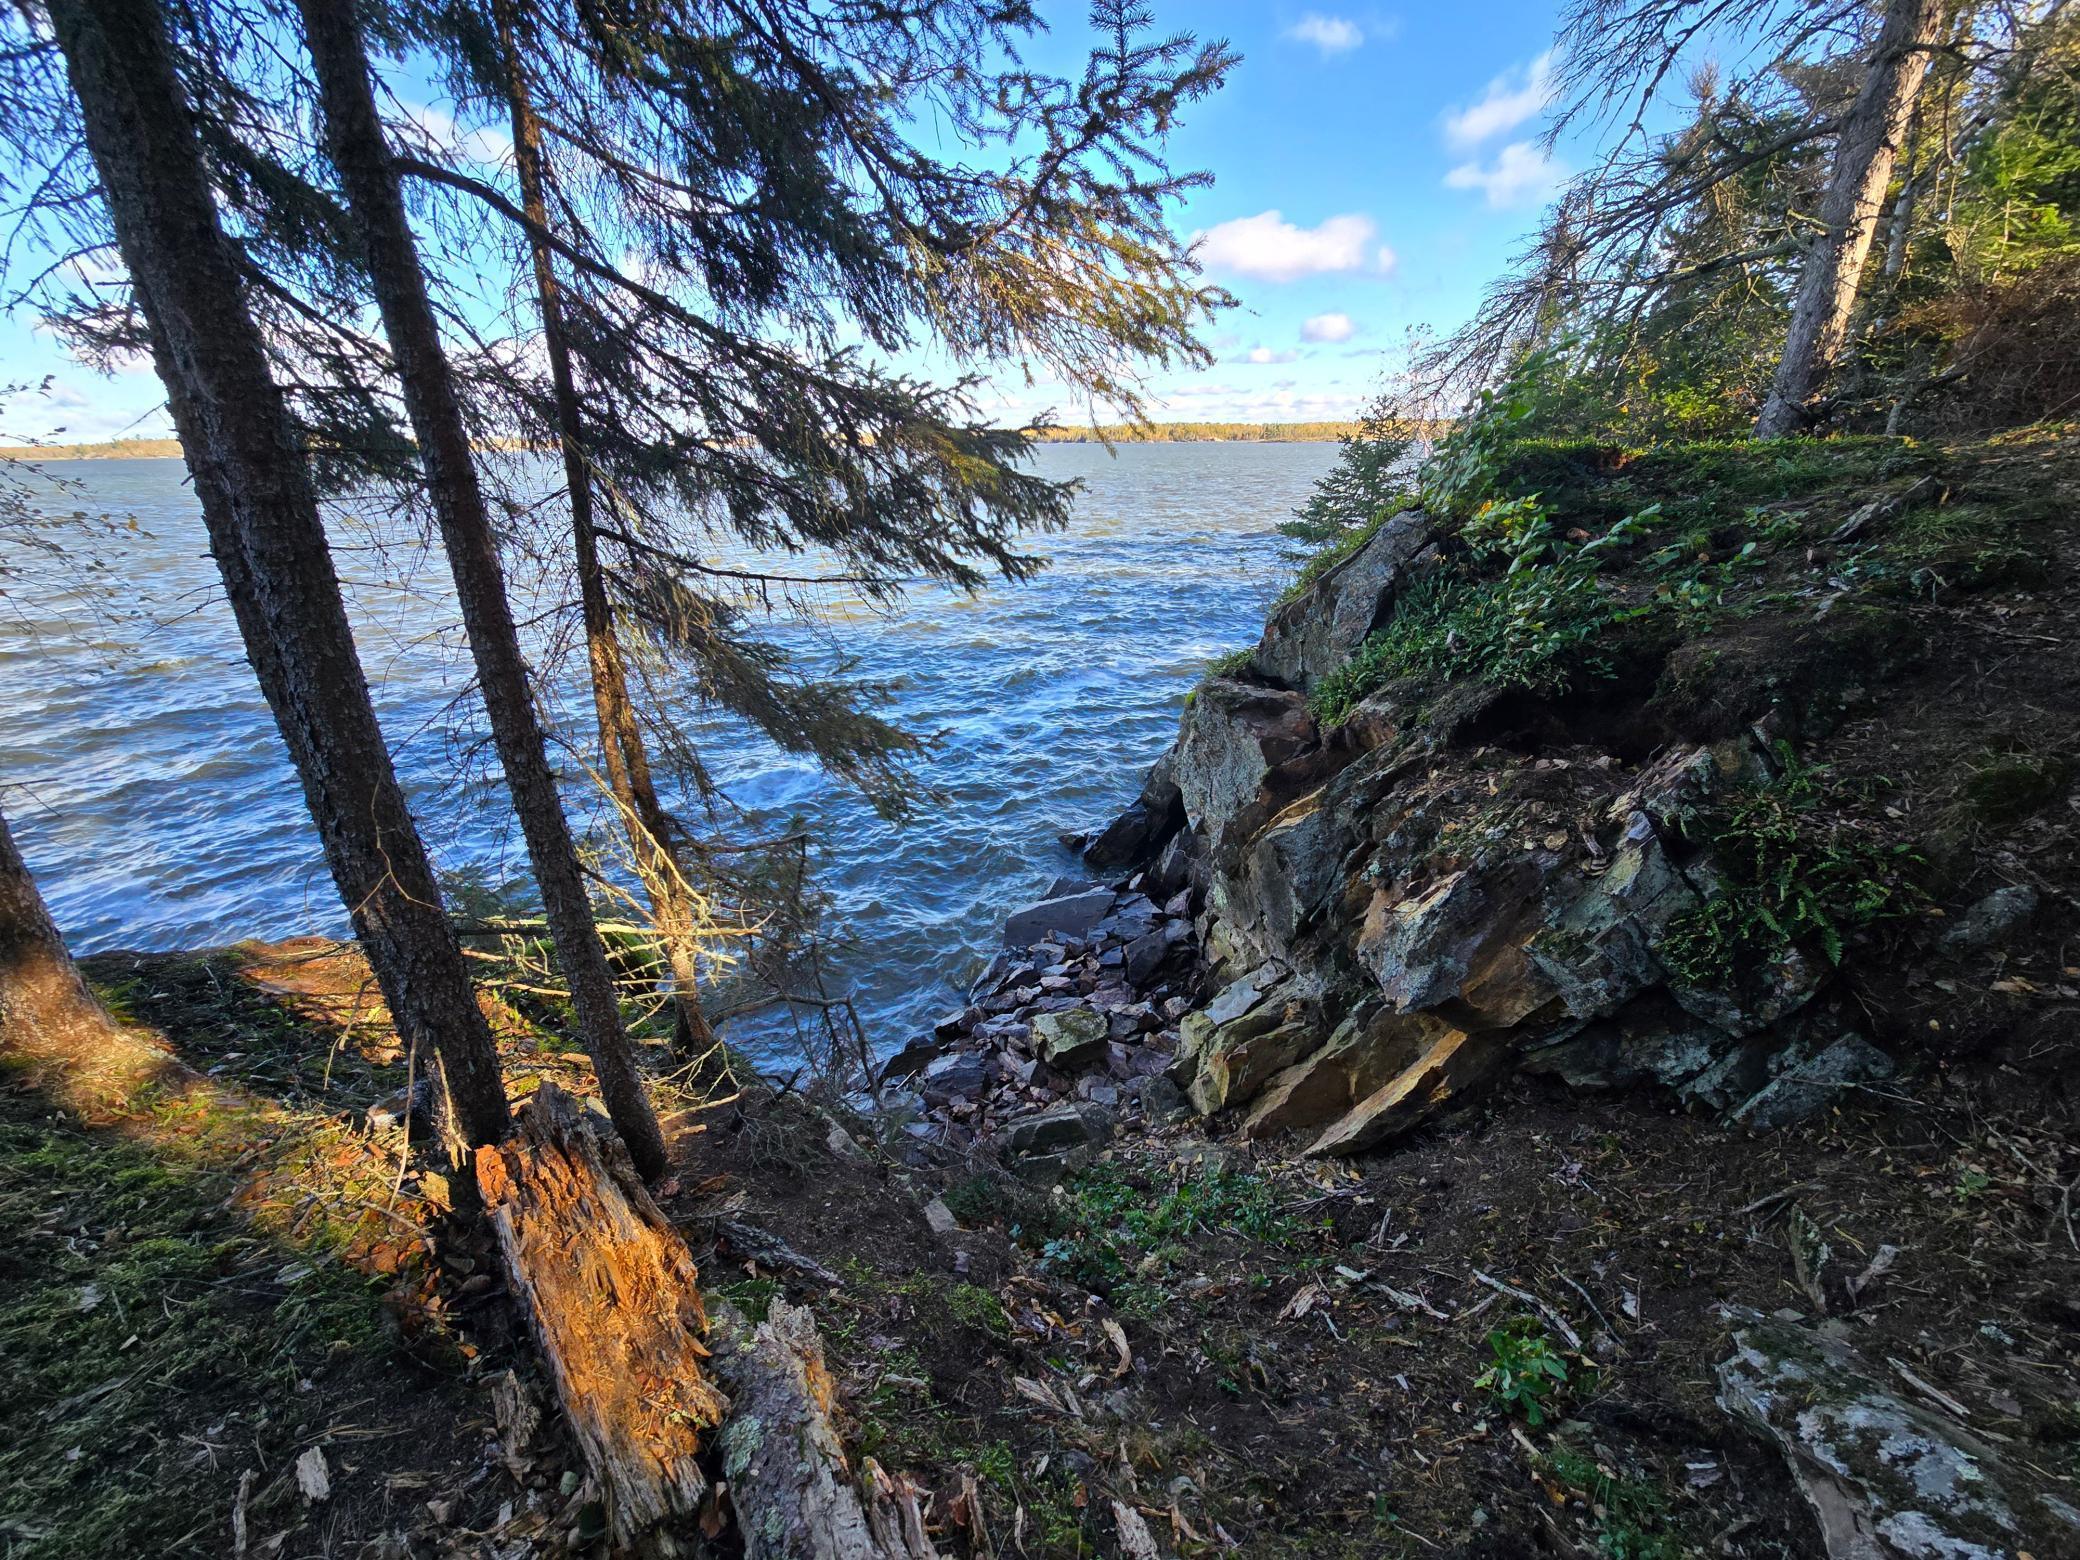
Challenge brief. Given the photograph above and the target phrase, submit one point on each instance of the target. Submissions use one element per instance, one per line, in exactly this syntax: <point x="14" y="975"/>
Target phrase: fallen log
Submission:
<point x="794" y="1492"/>
<point x="614" y="1300"/>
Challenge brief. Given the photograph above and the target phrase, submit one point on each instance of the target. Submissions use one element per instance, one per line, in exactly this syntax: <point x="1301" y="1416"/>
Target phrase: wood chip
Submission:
<point x="312" y="1479"/>
<point x="1135" y="1540"/>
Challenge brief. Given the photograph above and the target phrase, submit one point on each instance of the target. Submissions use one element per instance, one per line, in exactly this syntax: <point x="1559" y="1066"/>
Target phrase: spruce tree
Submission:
<point x="705" y="207"/>
<point x="357" y="146"/>
<point x="149" y="187"/>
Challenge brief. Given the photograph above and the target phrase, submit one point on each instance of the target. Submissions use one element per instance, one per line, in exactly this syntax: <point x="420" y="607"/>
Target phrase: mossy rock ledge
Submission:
<point x="1400" y="898"/>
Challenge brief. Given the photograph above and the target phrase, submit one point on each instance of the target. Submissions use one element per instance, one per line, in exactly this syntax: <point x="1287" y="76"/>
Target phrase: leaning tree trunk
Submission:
<point x="1864" y="153"/>
<point x="355" y="140"/>
<point x="620" y="736"/>
<point x="45" y="1007"/>
<point x="267" y="537"/>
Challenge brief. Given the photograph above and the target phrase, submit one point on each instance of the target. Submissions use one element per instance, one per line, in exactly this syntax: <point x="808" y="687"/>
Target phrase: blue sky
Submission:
<point x="1373" y="168"/>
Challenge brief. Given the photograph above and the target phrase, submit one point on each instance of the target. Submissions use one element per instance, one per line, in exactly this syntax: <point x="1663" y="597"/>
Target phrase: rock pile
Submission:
<point x="1070" y="1030"/>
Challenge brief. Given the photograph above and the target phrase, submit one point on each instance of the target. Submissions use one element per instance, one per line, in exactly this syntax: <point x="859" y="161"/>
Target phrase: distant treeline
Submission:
<point x="114" y="449"/>
<point x="1118" y="433"/>
<point x="1186" y="432"/>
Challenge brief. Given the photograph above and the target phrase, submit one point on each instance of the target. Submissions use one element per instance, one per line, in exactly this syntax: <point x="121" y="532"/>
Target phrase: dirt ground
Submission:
<point x="1262" y="1356"/>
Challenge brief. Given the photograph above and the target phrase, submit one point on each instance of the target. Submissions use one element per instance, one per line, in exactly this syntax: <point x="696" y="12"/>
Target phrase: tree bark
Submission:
<point x="793" y="1488"/>
<point x="359" y="151"/>
<point x="267" y="536"/>
<point x="622" y="750"/>
<point x="1864" y="154"/>
<point x="46" y="1009"/>
<point x="615" y="1301"/>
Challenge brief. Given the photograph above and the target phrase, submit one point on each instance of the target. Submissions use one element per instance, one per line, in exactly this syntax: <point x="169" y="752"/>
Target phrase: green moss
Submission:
<point x="126" y="1286"/>
<point x="2002" y="790"/>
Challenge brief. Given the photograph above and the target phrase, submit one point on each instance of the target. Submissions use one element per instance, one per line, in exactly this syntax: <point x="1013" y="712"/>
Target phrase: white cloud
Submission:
<point x="1271" y="249"/>
<point x="1512" y="97"/>
<point x="1328" y="327"/>
<point x="1330" y="34"/>
<point x="1220" y="401"/>
<point x="1521" y="175"/>
<point x="1266" y="355"/>
<point x="1385" y="260"/>
<point x="482" y="144"/>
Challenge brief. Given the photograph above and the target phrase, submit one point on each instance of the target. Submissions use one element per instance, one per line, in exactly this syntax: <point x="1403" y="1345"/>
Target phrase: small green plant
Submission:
<point x="1631" y="1515"/>
<point x="1527" y="1373"/>
<point x="1230" y="662"/>
<point x="975" y="1307"/>
<point x="1107" y="1226"/>
<point x="753" y="1296"/>
<point x="1789" y="881"/>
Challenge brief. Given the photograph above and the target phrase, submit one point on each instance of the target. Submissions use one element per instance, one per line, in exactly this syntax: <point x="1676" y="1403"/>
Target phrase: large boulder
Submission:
<point x="1137" y="836"/>
<point x="1239" y="749"/>
<point x="1066" y="915"/>
<point x="1071" y="1039"/>
<point x="1369" y="1047"/>
<point x="1447" y="1065"/>
<point x="1314" y="633"/>
<point x="1049" y="1144"/>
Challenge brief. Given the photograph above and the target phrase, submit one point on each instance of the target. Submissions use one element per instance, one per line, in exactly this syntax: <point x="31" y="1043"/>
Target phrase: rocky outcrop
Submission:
<point x="1314" y="633"/>
<point x="1389" y="916"/>
<point x="1146" y="826"/>
<point x="1240" y="749"/>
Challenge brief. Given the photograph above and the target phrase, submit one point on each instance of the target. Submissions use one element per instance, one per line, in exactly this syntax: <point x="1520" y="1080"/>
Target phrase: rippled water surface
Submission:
<point x="150" y="793"/>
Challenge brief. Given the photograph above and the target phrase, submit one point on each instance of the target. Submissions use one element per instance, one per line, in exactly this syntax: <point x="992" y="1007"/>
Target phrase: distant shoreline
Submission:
<point x="1156" y="433"/>
<point x="1202" y="433"/>
<point x="113" y="449"/>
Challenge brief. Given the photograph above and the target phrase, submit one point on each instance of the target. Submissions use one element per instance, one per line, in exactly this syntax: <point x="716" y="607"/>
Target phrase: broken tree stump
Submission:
<point x="794" y="1492"/>
<point x="614" y="1300"/>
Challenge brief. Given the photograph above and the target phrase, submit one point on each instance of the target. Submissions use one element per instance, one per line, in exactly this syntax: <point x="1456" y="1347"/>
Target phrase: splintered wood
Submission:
<point x="615" y="1302"/>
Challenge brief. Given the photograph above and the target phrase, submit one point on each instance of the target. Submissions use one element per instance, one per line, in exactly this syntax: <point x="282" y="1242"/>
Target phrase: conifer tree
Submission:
<point x="356" y="144"/>
<point x="148" y="194"/>
<point x="750" y="167"/>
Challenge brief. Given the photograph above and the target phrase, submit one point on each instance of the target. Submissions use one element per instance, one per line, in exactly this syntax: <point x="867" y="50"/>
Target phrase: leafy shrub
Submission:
<point x="1528" y="630"/>
<point x="1527" y="1373"/>
<point x="1787" y="881"/>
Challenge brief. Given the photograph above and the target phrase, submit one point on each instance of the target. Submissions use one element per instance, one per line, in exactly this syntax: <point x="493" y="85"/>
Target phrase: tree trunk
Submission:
<point x="793" y="1489"/>
<point x="45" y="1007"/>
<point x="620" y="736"/>
<point x="267" y="536"/>
<point x="355" y="141"/>
<point x="1864" y="152"/>
<point x="615" y="1301"/>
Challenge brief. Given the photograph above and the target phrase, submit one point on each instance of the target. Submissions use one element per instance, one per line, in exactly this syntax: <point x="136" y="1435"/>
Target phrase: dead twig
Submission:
<point x="1559" y="1322"/>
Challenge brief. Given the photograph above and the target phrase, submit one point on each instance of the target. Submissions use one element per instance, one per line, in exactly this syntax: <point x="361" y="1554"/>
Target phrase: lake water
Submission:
<point x="146" y="785"/>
